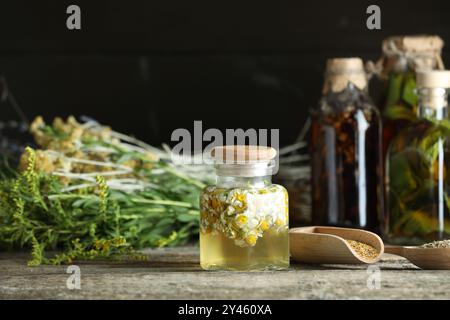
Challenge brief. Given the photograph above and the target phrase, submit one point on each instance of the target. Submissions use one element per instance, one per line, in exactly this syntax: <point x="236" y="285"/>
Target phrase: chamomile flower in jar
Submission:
<point x="244" y="217"/>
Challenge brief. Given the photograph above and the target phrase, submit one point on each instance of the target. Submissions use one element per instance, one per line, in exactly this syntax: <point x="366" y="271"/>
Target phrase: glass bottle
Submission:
<point x="402" y="56"/>
<point x="418" y="164"/>
<point x="244" y="217"/>
<point x="347" y="188"/>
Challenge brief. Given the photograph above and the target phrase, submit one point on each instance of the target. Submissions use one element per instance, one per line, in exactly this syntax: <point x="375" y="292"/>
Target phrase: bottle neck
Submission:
<point x="433" y="103"/>
<point x="243" y="182"/>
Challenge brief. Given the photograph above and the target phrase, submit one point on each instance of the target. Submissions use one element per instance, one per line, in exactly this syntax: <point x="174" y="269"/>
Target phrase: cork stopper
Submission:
<point x="342" y="71"/>
<point x="413" y="44"/>
<point x="421" y="52"/>
<point x="432" y="87"/>
<point x="243" y="154"/>
<point x="433" y="79"/>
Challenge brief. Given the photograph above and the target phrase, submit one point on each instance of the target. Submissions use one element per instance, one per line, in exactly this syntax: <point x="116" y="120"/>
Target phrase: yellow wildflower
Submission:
<point x="251" y="240"/>
<point x="264" y="225"/>
<point x="242" y="219"/>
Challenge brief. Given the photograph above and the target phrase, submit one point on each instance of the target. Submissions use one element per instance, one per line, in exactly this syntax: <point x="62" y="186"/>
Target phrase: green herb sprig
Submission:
<point x="154" y="204"/>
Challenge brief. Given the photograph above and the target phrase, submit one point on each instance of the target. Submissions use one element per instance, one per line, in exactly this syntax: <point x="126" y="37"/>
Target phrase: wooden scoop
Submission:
<point x="424" y="258"/>
<point x="327" y="245"/>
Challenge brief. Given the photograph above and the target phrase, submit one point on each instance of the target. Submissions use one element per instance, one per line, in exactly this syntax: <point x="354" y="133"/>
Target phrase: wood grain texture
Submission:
<point x="176" y="274"/>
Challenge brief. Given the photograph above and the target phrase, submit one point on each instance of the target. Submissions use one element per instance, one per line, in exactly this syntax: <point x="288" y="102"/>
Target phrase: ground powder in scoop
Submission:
<point x="363" y="249"/>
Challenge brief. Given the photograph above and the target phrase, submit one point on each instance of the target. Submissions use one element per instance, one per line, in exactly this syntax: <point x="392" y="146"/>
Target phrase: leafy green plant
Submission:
<point x="95" y="211"/>
<point x="401" y="100"/>
<point x="414" y="179"/>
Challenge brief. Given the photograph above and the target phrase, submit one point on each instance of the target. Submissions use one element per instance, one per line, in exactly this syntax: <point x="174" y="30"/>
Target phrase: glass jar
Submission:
<point x="418" y="168"/>
<point x="346" y="163"/>
<point x="244" y="217"/>
<point x="402" y="56"/>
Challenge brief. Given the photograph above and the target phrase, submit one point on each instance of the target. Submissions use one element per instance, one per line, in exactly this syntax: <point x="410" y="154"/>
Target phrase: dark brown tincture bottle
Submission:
<point x="347" y="187"/>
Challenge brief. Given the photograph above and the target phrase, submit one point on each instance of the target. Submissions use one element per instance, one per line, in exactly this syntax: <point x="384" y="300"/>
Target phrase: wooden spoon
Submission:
<point x="424" y="258"/>
<point x="327" y="245"/>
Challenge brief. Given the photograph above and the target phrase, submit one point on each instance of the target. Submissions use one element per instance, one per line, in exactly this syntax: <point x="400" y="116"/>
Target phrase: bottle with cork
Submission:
<point x="417" y="168"/>
<point x="346" y="133"/>
<point x="402" y="56"/>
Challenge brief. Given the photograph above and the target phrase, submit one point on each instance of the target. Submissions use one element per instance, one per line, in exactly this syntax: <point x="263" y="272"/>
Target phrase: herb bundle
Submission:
<point x="90" y="192"/>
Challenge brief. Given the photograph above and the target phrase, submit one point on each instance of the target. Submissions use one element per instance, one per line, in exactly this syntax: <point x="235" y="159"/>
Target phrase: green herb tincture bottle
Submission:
<point x="402" y="56"/>
<point x="417" y="169"/>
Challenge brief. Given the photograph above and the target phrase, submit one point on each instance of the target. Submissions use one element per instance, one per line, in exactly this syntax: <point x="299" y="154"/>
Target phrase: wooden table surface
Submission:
<point x="174" y="273"/>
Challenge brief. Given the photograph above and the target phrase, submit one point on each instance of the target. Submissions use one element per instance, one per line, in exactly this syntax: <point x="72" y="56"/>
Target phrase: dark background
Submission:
<point x="149" y="67"/>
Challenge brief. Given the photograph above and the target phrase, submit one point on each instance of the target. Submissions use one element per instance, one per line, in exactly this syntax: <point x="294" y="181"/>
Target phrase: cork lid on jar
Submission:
<point x="342" y="71"/>
<point x="244" y="161"/>
<point x="415" y="52"/>
<point x="412" y="44"/>
<point x="242" y="154"/>
<point x="345" y="65"/>
<point x="433" y="79"/>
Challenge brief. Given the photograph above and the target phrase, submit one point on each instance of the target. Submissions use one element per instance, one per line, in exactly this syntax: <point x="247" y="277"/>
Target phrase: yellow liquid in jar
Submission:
<point x="271" y="252"/>
<point x="244" y="228"/>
